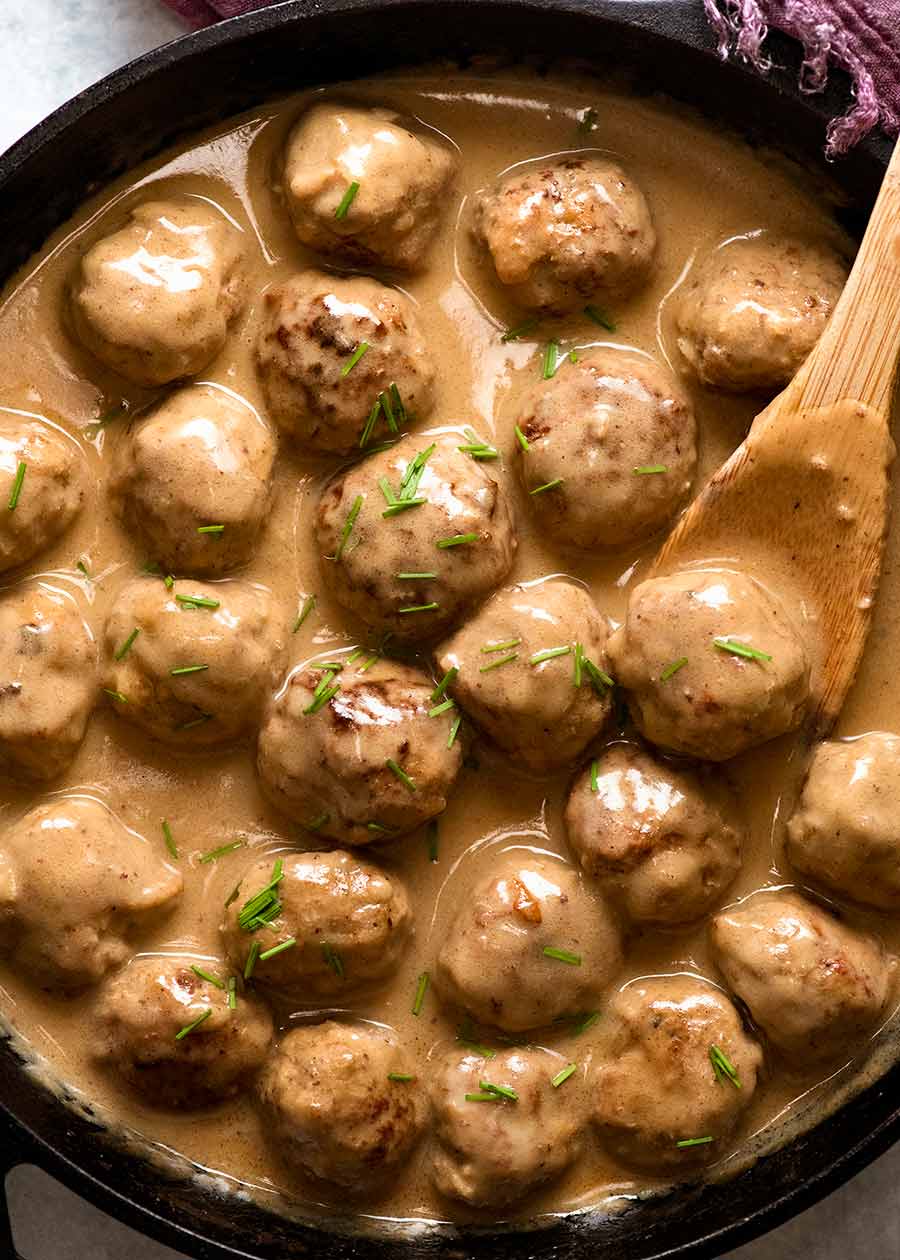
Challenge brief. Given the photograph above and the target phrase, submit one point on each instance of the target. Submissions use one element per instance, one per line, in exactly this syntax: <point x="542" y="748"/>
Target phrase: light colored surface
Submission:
<point x="52" y="49"/>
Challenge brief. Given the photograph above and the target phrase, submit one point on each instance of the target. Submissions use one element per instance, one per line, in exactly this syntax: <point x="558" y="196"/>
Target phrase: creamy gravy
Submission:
<point x="702" y="188"/>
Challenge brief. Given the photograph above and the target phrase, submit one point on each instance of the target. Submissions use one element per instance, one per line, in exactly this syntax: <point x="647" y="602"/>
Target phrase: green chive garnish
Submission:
<point x="441" y="708"/>
<point x="499" y="1091"/>
<point x="484" y="1096"/>
<point x="643" y="470"/>
<point x="579" y="661"/>
<point x="417" y="608"/>
<point x="415" y="577"/>
<point x="400" y="774"/>
<point x="466" y="1037"/>
<point x="503" y="660"/>
<point x="549" y="654"/>
<point x="421" y="990"/>
<point x="447" y="681"/>
<point x="550" y="361"/>
<point x="214" y="854"/>
<point x="401" y="505"/>
<point x="600" y="317"/>
<point x="167" y="836"/>
<point x="500" y="647"/>
<point x="197" y="601"/>
<point x="513" y="334"/>
<point x="595" y="785"/>
<point x="278" y="949"/>
<point x="347" y="200"/>
<point x="348" y="526"/>
<point x="210" y="979"/>
<point x="548" y="485"/>
<point x="321" y="698"/>
<point x="354" y="358"/>
<point x="232" y="993"/>
<point x="188" y="726"/>
<point x="671" y="670"/>
<point x="189" y="1028"/>
<point x="168" y="581"/>
<point x="308" y="605"/>
<point x="454" y="731"/>
<point x="82" y="568"/>
<point x="522" y="439"/>
<point x="562" y="955"/>
<point x="402" y="1077"/>
<point x="723" y="1068"/>
<point x="318" y="822"/>
<point x="265" y="906"/>
<point x="210" y="529"/>
<point x="458" y="540"/>
<point x="432" y="832"/>
<point x="126" y="646"/>
<point x="562" y="1076"/>
<point x="477" y="448"/>
<point x="252" y="958"/>
<point x="701" y="1141"/>
<point x="599" y="677"/>
<point x="585" y="1022"/>
<point x="333" y="959"/>
<point x="17" y="485"/>
<point x="187" y="669"/>
<point x="741" y="649"/>
<point x="116" y="695"/>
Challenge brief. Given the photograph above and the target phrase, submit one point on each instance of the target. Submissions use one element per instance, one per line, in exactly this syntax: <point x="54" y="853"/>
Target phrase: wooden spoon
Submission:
<point x="802" y="504"/>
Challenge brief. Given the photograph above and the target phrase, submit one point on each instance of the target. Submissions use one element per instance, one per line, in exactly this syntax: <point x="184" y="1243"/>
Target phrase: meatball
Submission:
<point x="333" y="1104"/>
<point x="154" y="300"/>
<point x="845" y="831"/>
<point x="490" y="1150"/>
<point x="75" y="886"/>
<point x="364" y="764"/>
<point x="754" y="310"/>
<point x="711" y="662"/>
<point x="194" y="479"/>
<point x="563" y="232"/>
<point x="365" y="188"/>
<point x="415" y="571"/>
<point x="332" y="348"/>
<point x="48" y="681"/>
<point x="42" y="473"/>
<point x="517" y="660"/>
<point x="675" y="1067"/>
<point x="613" y="437"/>
<point x="141" y="1024"/>
<point x="191" y="662"/>
<point x="531" y="944"/>
<point x="813" y="985"/>
<point x="350" y="922"/>
<point x="665" y="841"/>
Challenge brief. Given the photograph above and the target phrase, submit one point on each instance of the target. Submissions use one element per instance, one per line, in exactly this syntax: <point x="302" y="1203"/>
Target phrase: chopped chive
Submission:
<point x="573" y="356"/>
<point x="400" y="774"/>
<point x="167" y="836"/>
<point x="187" y="669"/>
<point x="308" y="605"/>
<point x="700" y="1141"/>
<point x="579" y="661"/>
<point x="441" y="708"/>
<point x="595" y="785"/>
<point x="402" y="1077"/>
<point x="741" y="649"/>
<point x="432" y="831"/>
<point x="369" y="426"/>
<point x="588" y="120"/>
<point x="466" y="1037"/>
<point x="233" y="895"/>
<point x="318" y="822"/>
<point x="322" y="698"/>
<point x="126" y="646"/>
<point x="600" y="317"/>
<point x="454" y="731"/>
<point x="367" y="665"/>
<point x="189" y="1028"/>
<point x="458" y="540"/>
<point x="397" y="402"/>
<point x="522" y="439"/>
<point x="252" y="958"/>
<point x="415" y="577"/>
<point x="347" y="200"/>
<point x="417" y="608"/>
<point x="264" y="906"/>
<point x="401" y="505"/>
<point x="548" y="485"/>
<point x="116" y="695"/>
<point x="562" y="1076"/>
<point x="409" y="483"/>
<point x="168" y="581"/>
<point x="421" y="990"/>
<point x="642" y="470"/>
<point x="562" y="955"/>
<point x="205" y="975"/>
<point x="549" y="654"/>
<point x="477" y="448"/>
<point x="387" y="490"/>
<point x="499" y="1091"/>
<point x="278" y="949"/>
<point x="232" y="993"/>
<point x="333" y="959"/>
<point x="347" y="529"/>
<point x="513" y="334"/>
<point x="500" y="647"/>
<point x="210" y="529"/>
<point x="387" y="407"/>
<point x="504" y="660"/>
<point x="585" y="1022"/>
<point x="599" y="677"/>
<point x="82" y="567"/>
<point x="671" y="670"/>
<point x="484" y="1096"/>
<point x="550" y="361"/>
<point x="380" y="828"/>
<point x="447" y="681"/>
<point x="723" y="1068"/>
<point x="17" y="486"/>
<point x="198" y="721"/>
<point x="354" y="358"/>
<point x="333" y="667"/>
<point x="197" y="601"/>
<point x="355" y="655"/>
<point x="214" y="854"/>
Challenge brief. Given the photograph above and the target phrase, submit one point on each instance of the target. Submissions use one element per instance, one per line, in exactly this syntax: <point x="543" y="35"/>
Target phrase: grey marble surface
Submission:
<point x="49" y="50"/>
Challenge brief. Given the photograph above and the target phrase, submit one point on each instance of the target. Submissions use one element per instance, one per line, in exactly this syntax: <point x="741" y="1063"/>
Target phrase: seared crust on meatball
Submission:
<point x="193" y="478"/>
<point x="461" y="497"/>
<point x="664" y="840"/>
<point x="845" y="832"/>
<point x="814" y="986"/>
<point x="48" y="493"/>
<point x="561" y="232"/>
<point x="675" y="1065"/>
<point x="491" y="1153"/>
<point x="364" y="187"/>
<point x="516" y="662"/>
<point x="329" y="348"/>
<point x="75" y="886"/>
<point x="494" y="961"/>
<point x="616" y="432"/>
<point x="688" y="690"/>
<point x="367" y="764"/>
<point x="350" y="922"/>
<point x="229" y="628"/>
<point x="154" y="300"/>
<point x="48" y="681"/>
<point x="139" y="1023"/>
<point x="331" y="1105"/>
<point x="752" y="312"/>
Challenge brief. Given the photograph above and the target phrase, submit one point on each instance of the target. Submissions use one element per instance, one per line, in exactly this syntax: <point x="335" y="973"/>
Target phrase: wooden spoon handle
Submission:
<point x="856" y="357"/>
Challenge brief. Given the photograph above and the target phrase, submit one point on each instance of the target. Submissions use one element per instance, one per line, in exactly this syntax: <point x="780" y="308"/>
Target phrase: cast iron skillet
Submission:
<point x="207" y="76"/>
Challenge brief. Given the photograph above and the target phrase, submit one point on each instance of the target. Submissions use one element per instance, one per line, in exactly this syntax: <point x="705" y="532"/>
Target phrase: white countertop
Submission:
<point x="50" y="50"/>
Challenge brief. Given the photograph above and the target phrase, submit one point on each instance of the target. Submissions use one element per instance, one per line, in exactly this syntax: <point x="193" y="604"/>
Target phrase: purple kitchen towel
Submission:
<point x="859" y="36"/>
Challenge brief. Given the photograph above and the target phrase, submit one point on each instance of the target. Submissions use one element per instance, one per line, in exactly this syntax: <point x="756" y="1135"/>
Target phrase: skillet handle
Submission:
<point x="15" y="1149"/>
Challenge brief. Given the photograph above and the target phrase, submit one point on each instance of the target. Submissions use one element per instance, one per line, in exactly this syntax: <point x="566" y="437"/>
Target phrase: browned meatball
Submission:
<point x="155" y="299"/>
<point x="675" y="1069"/>
<point x="711" y="662"/>
<point x="530" y="945"/>
<point x="350" y="923"/>
<point x="815" y="987"/>
<point x="141" y="1024"/>
<point x="43" y="474"/>
<point x="332" y="348"/>
<point x="561" y="232"/>
<point x="845" y="831"/>
<point x="532" y="671"/>
<point x="492" y="1151"/>
<point x="333" y="1107"/>
<point x="365" y="186"/>
<point x="415" y="571"/>
<point x="193" y="478"/>
<point x="75" y="887"/>
<point x="48" y="681"/>
<point x="613" y="436"/>
<point x="368" y="762"/>
<point x="752" y="312"/>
